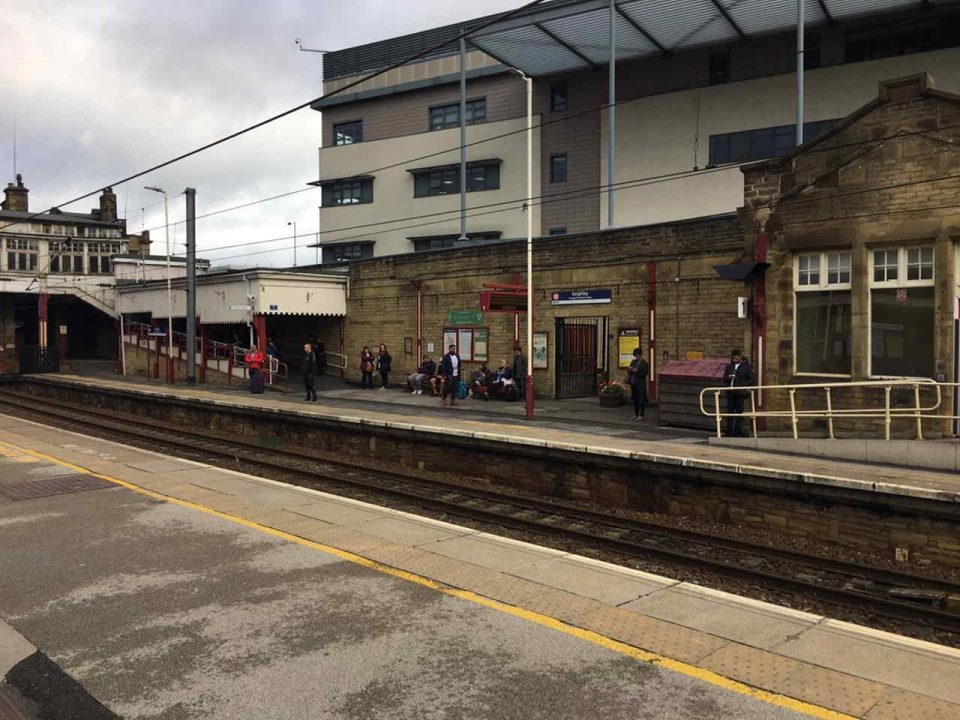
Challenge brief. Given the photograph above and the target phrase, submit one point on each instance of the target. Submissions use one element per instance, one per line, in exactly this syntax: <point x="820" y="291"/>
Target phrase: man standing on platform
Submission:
<point x="450" y="374"/>
<point x="254" y="360"/>
<point x="520" y="371"/>
<point x="308" y="369"/>
<point x="737" y="374"/>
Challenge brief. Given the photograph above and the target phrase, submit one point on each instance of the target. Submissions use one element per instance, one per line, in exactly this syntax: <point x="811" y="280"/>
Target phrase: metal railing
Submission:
<point x="917" y="410"/>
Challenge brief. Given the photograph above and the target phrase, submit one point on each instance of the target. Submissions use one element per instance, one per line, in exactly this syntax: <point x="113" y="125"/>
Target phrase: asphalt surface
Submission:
<point x="160" y="611"/>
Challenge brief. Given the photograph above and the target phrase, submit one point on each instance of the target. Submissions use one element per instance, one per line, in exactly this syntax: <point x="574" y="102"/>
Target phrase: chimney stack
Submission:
<point x="108" y="205"/>
<point x="16" y="196"/>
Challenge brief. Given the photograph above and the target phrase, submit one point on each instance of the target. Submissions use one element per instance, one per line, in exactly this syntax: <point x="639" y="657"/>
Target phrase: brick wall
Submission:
<point x="695" y="310"/>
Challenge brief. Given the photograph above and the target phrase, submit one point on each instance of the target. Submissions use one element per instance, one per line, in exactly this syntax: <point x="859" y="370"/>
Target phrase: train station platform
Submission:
<point x="170" y="588"/>
<point x="575" y="428"/>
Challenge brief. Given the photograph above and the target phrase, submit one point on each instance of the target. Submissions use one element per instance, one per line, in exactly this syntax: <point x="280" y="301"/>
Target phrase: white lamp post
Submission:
<point x="166" y="224"/>
<point x="294" y="223"/>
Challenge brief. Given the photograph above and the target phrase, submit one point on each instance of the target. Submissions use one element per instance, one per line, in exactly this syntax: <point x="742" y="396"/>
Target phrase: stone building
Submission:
<point x="58" y="279"/>
<point x="846" y="248"/>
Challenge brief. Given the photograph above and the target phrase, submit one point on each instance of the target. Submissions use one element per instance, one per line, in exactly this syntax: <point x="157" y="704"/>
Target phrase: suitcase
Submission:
<point x="462" y="390"/>
<point x="256" y="384"/>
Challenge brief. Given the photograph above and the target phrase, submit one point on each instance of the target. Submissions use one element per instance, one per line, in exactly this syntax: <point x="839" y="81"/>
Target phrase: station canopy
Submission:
<point x="568" y="35"/>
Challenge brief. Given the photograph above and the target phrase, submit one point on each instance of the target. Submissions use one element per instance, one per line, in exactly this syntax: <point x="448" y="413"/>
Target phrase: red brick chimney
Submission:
<point x="108" y="205"/>
<point x="16" y="196"/>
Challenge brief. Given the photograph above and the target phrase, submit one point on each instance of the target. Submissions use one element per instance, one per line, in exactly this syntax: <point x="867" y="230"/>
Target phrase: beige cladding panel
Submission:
<point x="408" y="113"/>
<point x="305" y="298"/>
<point x="411" y="72"/>
<point x="670" y="133"/>
<point x="395" y="214"/>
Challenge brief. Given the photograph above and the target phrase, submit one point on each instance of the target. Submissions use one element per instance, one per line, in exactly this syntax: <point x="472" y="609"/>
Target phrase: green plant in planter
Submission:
<point x="611" y="394"/>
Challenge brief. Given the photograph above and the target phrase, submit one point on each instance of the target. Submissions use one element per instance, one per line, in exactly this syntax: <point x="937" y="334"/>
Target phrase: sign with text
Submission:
<point x="464" y="317"/>
<point x="628" y="340"/>
<point x="581" y="297"/>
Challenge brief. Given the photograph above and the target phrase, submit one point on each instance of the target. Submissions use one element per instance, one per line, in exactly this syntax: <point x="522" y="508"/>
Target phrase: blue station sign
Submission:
<point x="581" y="297"/>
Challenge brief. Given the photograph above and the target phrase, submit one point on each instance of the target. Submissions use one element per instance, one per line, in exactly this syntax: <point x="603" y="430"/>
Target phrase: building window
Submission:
<point x="100" y="255"/>
<point x="558" y="98"/>
<point x="439" y="242"/>
<point x="348" y="133"/>
<point x="761" y="144"/>
<point x="345" y="253"/>
<point x="822" y="320"/>
<point x="902" y="313"/>
<point x="446" y="180"/>
<point x="719" y="67"/>
<point x="558" y="168"/>
<point x="22" y="254"/>
<point x="66" y="257"/>
<point x="348" y="192"/>
<point x="448" y="116"/>
<point x="472" y="343"/>
<point x="929" y="32"/>
<point x="558" y="231"/>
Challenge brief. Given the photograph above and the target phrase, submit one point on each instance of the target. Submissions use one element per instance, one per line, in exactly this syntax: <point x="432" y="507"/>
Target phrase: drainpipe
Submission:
<point x="652" y="328"/>
<point x="418" y="286"/>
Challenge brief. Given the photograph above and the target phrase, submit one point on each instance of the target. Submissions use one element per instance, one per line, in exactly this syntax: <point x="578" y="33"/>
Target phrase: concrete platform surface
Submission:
<point x="237" y="597"/>
<point x="692" y="451"/>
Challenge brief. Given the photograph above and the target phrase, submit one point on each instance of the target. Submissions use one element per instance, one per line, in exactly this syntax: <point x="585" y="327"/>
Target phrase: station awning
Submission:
<point x="567" y="35"/>
<point x="741" y="271"/>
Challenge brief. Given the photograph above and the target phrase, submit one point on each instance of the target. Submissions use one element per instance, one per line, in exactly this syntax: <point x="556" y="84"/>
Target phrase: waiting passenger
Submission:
<point x="426" y="370"/>
<point x="308" y="369"/>
<point x="384" y="361"/>
<point x="738" y="374"/>
<point x="450" y="371"/>
<point x="479" y="382"/>
<point x="366" y="368"/>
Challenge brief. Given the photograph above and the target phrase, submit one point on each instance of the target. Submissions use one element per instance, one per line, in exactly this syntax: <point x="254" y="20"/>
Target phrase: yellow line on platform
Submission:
<point x="693" y="671"/>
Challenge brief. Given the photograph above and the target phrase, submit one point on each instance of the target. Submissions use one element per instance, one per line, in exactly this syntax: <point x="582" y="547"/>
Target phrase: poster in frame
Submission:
<point x="540" y="345"/>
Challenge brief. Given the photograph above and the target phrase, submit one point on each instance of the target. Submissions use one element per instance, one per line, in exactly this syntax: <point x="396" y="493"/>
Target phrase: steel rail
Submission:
<point x="402" y="489"/>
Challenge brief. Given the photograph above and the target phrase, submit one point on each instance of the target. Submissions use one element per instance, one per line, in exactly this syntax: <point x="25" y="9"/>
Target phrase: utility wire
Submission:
<point x="352" y="84"/>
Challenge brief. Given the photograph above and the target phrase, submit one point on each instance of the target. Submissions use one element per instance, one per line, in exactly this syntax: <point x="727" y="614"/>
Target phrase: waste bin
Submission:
<point x="680" y="384"/>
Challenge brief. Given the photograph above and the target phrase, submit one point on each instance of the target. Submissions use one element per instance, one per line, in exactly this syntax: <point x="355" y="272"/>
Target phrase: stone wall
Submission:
<point x="695" y="310"/>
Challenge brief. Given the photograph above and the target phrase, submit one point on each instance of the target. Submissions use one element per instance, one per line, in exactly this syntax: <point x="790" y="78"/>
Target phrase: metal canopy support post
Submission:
<point x="612" y="115"/>
<point x="191" y="286"/>
<point x="529" y="380"/>
<point x="463" y="138"/>
<point x="800" y="53"/>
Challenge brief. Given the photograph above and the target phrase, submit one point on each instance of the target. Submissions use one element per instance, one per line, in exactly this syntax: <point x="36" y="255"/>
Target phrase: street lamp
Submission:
<point x="166" y="224"/>
<point x="294" y="223"/>
<point x="529" y="207"/>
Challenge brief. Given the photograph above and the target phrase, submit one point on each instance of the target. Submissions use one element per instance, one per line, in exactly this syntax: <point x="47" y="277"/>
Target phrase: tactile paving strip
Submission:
<point x="50" y="487"/>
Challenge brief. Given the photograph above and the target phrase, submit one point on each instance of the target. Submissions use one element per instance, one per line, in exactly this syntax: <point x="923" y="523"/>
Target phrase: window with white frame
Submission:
<point x="22" y="254"/>
<point x="66" y="257"/>
<point x="902" y="312"/>
<point x="822" y="313"/>
<point x="101" y="254"/>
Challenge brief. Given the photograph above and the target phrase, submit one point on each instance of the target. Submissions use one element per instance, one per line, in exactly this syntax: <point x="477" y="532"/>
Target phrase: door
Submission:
<point x="581" y="353"/>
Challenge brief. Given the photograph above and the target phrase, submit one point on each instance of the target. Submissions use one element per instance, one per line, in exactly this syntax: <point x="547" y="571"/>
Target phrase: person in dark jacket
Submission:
<point x="308" y="369"/>
<point x="384" y="361"/>
<point x="426" y="370"/>
<point x="737" y="374"/>
<point x="520" y="371"/>
<point x="450" y="368"/>
<point x="366" y="368"/>
<point x="639" y="371"/>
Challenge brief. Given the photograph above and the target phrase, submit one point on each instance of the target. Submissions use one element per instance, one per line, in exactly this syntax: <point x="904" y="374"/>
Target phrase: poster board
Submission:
<point x="540" y="358"/>
<point x="628" y="340"/>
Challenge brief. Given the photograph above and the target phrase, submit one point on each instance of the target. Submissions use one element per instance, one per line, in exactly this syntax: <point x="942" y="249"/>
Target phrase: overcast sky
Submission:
<point x="100" y="89"/>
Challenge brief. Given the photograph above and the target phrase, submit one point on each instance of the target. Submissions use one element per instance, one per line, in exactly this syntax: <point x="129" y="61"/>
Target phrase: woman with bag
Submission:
<point x="366" y="368"/>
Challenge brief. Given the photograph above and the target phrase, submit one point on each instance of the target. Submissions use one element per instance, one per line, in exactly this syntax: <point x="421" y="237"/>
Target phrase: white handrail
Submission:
<point x="887" y="412"/>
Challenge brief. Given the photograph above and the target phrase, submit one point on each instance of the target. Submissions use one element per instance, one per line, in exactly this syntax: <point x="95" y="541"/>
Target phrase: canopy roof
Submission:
<point x="567" y="35"/>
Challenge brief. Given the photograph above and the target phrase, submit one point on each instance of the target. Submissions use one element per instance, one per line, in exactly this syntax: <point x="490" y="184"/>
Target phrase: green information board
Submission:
<point x="464" y="317"/>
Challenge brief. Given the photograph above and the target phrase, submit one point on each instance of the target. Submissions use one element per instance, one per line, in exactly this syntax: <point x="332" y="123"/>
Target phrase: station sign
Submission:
<point x="157" y="331"/>
<point x="464" y="317"/>
<point x="241" y="307"/>
<point x="581" y="297"/>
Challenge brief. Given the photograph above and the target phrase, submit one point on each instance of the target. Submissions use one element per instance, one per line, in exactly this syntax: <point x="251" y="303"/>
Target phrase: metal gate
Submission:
<point x="581" y="355"/>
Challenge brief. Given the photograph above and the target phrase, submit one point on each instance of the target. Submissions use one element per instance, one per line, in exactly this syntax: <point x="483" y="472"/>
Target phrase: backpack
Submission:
<point x="512" y="393"/>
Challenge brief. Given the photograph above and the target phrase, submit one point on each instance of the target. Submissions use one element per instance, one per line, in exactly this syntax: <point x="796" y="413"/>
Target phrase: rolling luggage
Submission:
<point x="462" y="390"/>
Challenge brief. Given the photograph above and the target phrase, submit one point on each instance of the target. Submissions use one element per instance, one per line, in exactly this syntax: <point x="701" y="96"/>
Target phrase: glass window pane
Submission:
<point x="901" y="331"/>
<point x="823" y="332"/>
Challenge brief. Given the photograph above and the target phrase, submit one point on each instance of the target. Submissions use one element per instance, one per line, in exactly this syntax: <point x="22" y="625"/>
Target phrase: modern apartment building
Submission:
<point x="702" y="87"/>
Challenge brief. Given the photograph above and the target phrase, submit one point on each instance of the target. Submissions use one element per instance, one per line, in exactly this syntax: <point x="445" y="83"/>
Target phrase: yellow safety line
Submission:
<point x="699" y="673"/>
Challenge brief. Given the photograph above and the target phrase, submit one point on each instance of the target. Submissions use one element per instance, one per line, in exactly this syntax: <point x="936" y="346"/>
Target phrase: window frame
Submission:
<point x="473" y="330"/>
<point x="901" y="282"/>
<point x="566" y="168"/>
<point x="426" y="182"/>
<point x="476" y="113"/>
<point x="557" y="91"/>
<point x="822" y="285"/>
<point x="333" y="191"/>
<point x="354" y="140"/>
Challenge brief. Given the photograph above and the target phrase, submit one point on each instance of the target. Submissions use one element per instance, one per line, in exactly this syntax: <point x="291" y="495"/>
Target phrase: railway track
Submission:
<point x="862" y="588"/>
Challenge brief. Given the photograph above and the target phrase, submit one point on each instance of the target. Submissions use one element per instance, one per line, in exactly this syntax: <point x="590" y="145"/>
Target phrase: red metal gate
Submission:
<point x="581" y="355"/>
